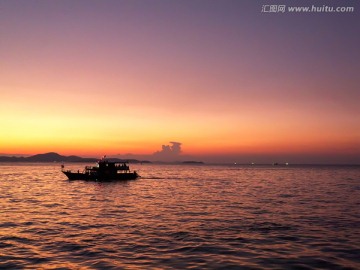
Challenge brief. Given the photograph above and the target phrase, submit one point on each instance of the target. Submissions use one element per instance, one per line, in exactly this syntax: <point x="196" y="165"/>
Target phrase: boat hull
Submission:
<point x="96" y="177"/>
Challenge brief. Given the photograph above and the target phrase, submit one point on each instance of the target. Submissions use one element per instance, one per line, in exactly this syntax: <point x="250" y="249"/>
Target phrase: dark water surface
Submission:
<point x="181" y="216"/>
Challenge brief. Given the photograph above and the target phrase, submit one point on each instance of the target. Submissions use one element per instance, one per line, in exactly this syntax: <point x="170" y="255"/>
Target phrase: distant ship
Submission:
<point x="104" y="171"/>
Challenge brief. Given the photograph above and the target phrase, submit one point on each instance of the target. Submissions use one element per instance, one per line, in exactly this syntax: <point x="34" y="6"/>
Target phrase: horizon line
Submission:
<point x="196" y="162"/>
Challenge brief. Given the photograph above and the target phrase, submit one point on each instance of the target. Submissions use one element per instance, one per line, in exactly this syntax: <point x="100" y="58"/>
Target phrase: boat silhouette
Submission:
<point x="105" y="170"/>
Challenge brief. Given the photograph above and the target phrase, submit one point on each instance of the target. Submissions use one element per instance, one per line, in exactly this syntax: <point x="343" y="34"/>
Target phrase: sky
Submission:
<point x="224" y="80"/>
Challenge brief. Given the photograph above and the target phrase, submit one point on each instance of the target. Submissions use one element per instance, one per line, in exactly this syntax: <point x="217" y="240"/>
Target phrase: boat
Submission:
<point x="105" y="170"/>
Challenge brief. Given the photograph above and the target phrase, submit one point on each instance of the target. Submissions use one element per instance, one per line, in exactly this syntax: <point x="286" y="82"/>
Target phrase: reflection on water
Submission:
<point x="181" y="217"/>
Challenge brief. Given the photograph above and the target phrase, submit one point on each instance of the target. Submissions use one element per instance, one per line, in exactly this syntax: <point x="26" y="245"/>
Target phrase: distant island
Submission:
<point x="55" y="157"/>
<point x="192" y="162"/>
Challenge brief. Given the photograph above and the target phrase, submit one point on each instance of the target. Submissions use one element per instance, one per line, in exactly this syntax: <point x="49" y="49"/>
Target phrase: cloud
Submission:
<point x="169" y="151"/>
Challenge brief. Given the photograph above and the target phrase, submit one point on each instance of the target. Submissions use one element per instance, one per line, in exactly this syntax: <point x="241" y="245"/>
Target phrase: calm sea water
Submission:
<point x="181" y="216"/>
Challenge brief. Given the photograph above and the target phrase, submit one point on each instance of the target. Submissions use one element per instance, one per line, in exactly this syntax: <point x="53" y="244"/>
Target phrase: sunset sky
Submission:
<point x="231" y="83"/>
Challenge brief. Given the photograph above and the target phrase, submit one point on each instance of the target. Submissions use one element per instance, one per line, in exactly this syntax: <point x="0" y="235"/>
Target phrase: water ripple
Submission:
<point x="178" y="217"/>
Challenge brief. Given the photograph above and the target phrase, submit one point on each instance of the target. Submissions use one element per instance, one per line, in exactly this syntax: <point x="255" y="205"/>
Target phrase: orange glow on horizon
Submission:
<point x="130" y="83"/>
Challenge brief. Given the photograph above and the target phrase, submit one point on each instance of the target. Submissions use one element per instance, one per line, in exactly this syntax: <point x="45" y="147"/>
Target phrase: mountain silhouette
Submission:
<point x="47" y="157"/>
<point x="55" y="157"/>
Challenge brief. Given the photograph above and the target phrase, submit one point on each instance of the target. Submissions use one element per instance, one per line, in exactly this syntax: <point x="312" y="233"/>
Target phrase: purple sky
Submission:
<point x="226" y="80"/>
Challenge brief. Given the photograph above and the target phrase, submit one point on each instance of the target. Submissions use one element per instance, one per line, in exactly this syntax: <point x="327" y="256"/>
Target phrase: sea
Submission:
<point x="181" y="217"/>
